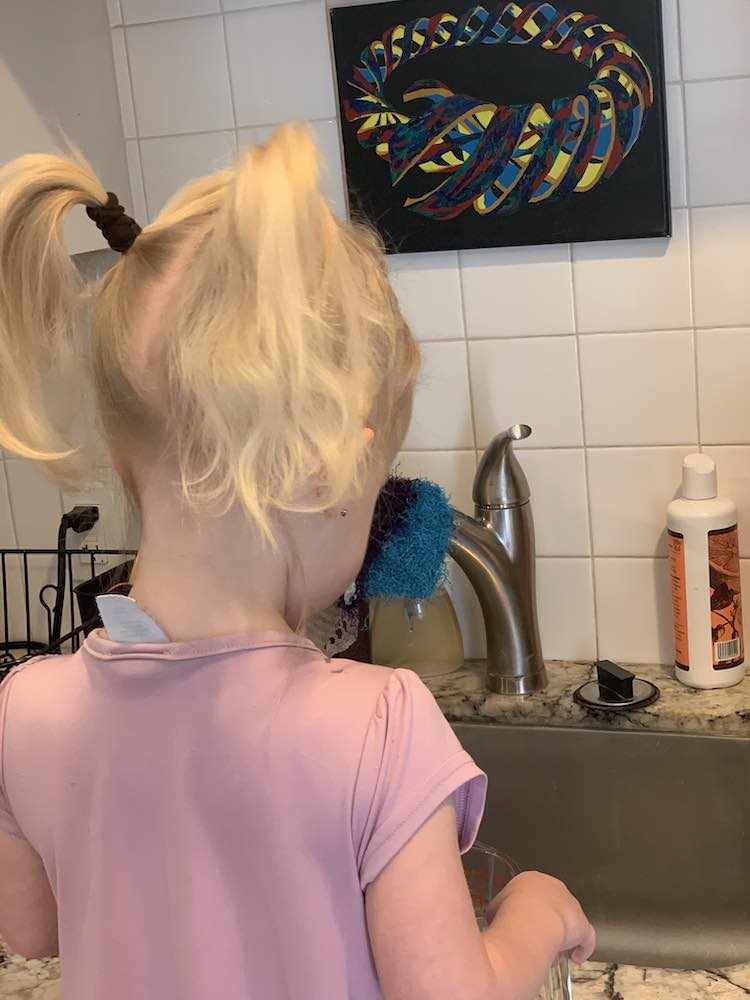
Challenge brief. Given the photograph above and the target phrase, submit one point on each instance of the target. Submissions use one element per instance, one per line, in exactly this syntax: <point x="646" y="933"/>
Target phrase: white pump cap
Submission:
<point x="699" y="478"/>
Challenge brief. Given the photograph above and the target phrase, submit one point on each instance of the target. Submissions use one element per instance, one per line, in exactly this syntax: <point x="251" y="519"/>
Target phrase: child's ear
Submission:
<point x="369" y="435"/>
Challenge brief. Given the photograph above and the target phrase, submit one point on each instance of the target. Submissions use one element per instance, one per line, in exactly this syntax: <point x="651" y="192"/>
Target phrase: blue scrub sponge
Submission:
<point x="411" y="531"/>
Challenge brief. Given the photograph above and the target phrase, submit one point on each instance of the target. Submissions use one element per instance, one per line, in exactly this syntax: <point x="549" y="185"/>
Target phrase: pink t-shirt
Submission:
<point x="210" y="813"/>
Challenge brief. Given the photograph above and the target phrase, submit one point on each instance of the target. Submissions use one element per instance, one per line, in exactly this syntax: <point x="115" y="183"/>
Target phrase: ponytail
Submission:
<point x="39" y="300"/>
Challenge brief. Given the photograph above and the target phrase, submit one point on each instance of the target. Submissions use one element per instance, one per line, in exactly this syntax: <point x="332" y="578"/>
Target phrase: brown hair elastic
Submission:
<point x="117" y="228"/>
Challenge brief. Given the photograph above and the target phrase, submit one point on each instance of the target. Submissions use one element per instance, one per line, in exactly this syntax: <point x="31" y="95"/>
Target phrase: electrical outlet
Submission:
<point x="91" y="542"/>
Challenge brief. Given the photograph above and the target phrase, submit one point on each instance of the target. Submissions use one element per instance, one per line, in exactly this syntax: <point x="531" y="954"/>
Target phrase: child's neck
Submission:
<point x="207" y="576"/>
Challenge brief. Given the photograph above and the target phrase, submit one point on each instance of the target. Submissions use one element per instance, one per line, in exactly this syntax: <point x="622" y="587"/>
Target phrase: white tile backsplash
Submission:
<point x="610" y="333"/>
<point x="607" y="275"/>
<point x="137" y="207"/>
<point x="714" y="38"/>
<point x="629" y="490"/>
<point x="179" y="76"/>
<point x="517" y="292"/>
<point x="36" y="505"/>
<point x="429" y="292"/>
<point x="718" y="113"/>
<point x="670" y="20"/>
<point x="677" y="150"/>
<point x="724" y="385"/>
<point x="566" y="609"/>
<point x="453" y="470"/>
<point x="114" y="12"/>
<point x="172" y="161"/>
<point x="244" y="4"/>
<point x="289" y="79"/>
<point x="533" y="381"/>
<point x="134" y="11"/>
<point x="721" y="251"/>
<point x="122" y="76"/>
<point x="634" y="610"/>
<point x="733" y="467"/>
<point x="557" y="480"/>
<point x="639" y="388"/>
<point x="7" y="532"/>
<point x="442" y="407"/>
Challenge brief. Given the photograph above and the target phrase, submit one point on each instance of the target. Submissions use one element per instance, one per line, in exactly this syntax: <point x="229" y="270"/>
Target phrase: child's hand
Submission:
<point x="531" y="895"/>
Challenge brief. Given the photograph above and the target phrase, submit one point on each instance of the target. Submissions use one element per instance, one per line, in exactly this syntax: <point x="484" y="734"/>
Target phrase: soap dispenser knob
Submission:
<point x="616" y="690"/>
<point x="615" y="683"/>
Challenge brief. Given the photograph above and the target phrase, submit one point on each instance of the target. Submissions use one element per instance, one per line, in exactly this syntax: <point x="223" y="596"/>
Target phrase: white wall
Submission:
<point x="57" y="76"/>
<point x="622" y="356"/>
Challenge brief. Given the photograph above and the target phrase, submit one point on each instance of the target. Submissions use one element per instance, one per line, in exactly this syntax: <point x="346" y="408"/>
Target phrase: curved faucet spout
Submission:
<point x="496" y="551"/>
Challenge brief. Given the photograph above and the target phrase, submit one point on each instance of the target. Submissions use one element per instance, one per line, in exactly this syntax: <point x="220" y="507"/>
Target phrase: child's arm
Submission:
<point x="425" y="938"/>
<point x="28" y="912"/>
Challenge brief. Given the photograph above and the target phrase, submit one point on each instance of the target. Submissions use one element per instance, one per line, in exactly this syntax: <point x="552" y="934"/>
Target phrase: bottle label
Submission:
<point x="679" y="600"/>
<point x="726" y="598"/>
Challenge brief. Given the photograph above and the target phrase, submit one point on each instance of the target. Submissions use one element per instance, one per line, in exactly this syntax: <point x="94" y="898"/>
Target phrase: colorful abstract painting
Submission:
<point x="467" y="125"/>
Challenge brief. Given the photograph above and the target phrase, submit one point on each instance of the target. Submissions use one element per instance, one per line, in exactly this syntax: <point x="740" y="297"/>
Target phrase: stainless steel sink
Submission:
<point x="651" y="831"/>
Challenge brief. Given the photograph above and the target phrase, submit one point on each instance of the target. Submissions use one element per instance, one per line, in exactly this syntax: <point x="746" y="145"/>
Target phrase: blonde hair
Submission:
<point x="278" y="340"/>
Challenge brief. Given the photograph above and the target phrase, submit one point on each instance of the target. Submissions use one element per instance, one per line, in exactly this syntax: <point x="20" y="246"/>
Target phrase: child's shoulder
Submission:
<point x="354" y="697"/>
<point x="372" y="684"/>
<point x="36" y="669"/>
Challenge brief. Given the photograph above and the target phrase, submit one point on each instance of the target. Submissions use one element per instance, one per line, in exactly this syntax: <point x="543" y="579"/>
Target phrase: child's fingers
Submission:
<point x="583" y="952"/>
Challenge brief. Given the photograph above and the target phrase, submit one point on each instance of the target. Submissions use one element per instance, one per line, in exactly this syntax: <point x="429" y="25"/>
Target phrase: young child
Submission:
<point x="229" y="814"/>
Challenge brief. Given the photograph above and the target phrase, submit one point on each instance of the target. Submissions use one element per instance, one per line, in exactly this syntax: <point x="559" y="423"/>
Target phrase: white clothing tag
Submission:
<point x="126" y="621"/>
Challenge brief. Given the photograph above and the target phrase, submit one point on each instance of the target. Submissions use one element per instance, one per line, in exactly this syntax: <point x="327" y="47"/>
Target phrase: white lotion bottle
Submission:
<point x="705" y="570"/>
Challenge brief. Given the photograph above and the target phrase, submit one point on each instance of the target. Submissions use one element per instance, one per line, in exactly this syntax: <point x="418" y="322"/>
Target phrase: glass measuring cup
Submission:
<point x="487" y="873"/>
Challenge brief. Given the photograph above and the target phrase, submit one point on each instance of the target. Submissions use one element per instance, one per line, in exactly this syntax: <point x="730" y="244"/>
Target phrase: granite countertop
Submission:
<point x="33" y="980"/>
<point x="625" y="982"/>
<point x="36" y="980"/>
<point x="463" y="697"/>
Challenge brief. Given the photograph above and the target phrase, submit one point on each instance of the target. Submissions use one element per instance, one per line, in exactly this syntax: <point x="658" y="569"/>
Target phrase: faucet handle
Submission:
<point x="500" y="480"/>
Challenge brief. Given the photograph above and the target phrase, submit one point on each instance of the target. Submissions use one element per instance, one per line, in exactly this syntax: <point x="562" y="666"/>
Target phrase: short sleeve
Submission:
<point x="7" y="821"/>
<point x="411" y="763"/>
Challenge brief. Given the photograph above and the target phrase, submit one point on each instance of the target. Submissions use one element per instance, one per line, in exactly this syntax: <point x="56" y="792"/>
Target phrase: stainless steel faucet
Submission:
<point x="495" y="549"/>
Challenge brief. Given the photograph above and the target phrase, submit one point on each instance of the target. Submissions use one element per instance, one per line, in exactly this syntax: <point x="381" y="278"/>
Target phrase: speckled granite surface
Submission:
<point x="38" y="981"/>
<point x="624" y="982"/>
<point x="463" y="697"/>
<point x="33" y="980"/>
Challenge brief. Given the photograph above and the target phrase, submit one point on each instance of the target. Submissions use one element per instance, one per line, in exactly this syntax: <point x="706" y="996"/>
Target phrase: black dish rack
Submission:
<point x="48" y="596"/>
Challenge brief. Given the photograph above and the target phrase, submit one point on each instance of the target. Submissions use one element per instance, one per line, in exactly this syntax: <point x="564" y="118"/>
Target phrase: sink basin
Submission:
<point x="650" y="830"/>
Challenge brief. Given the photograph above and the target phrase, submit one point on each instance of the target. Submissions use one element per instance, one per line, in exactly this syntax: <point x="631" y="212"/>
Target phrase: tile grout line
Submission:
<point x="566" y="448"/>
<point x="137" y="127"/>
<point x="586" y="475"/>
<point x="462" y="303"/>
<point x="690" y="235"/>
<point x="604" y="333"/>
<point x="717" y="204"/>
<point x="113" y="28"/>
<point x="203" y="16"/>
<point x="611" y="556"/>
<point x="708" y="79"/>
<point x="235" y="128"/>
<point x="230" y="79"/>
<point x="206" y="14"/>
<point x="11" y="512"/>
<point x="338" y="120"/>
